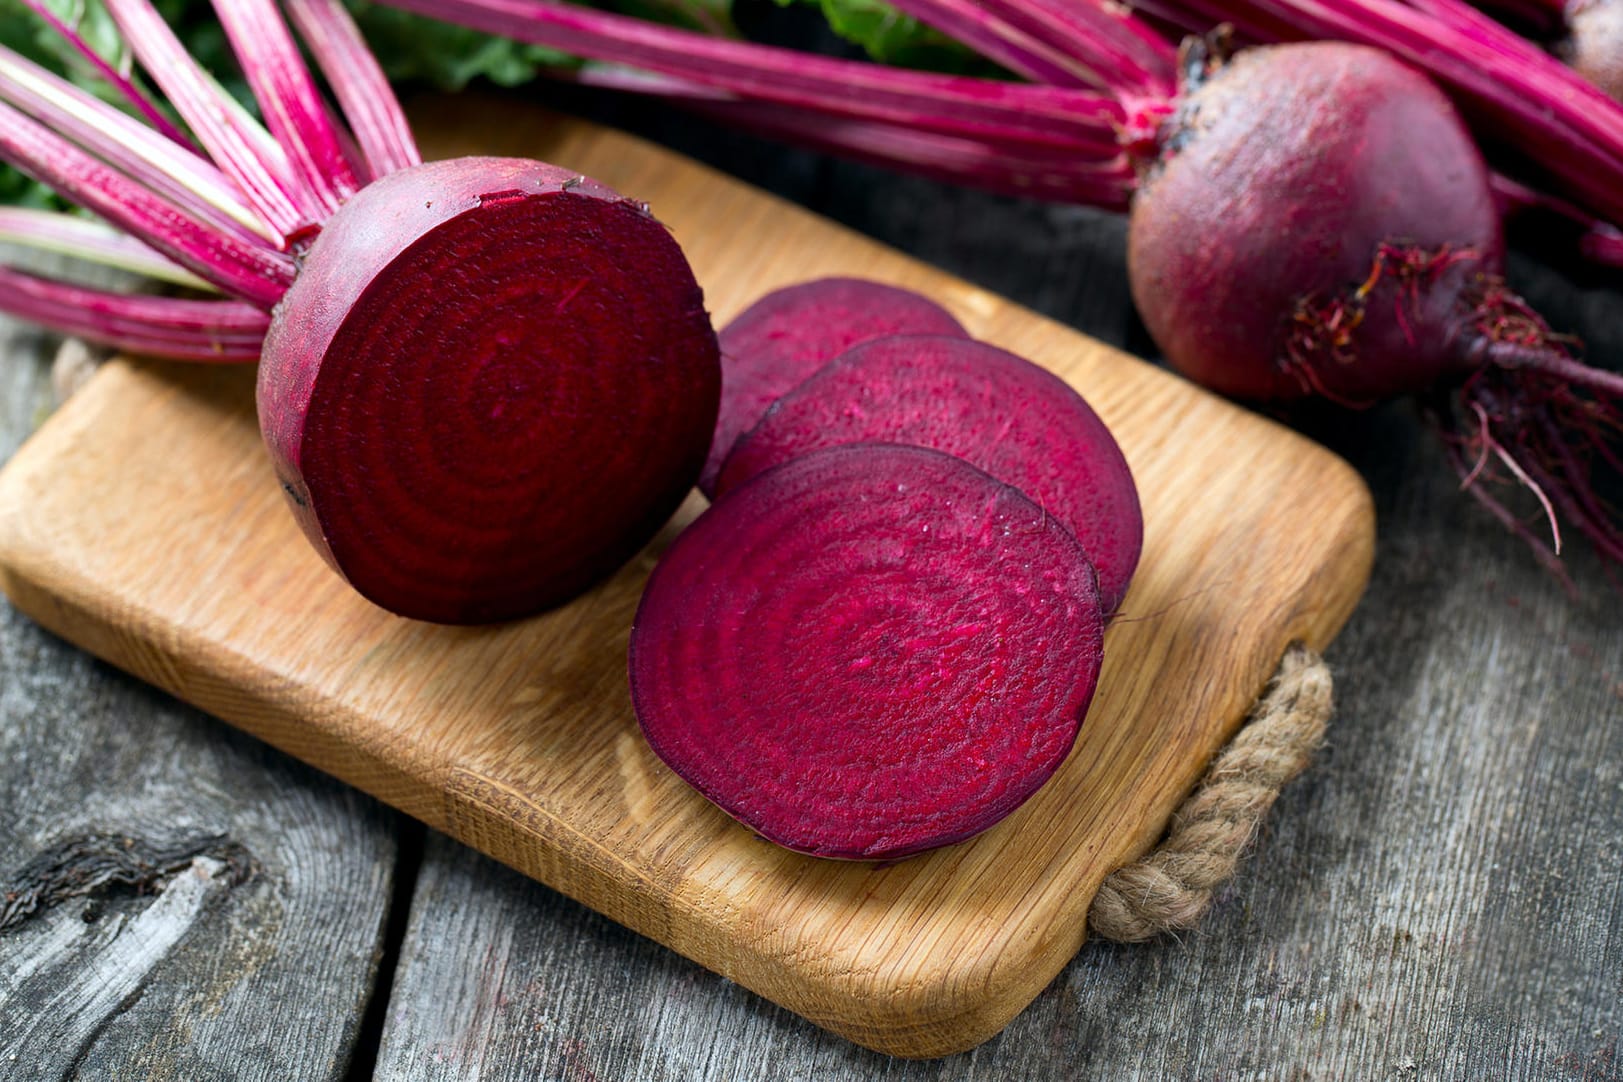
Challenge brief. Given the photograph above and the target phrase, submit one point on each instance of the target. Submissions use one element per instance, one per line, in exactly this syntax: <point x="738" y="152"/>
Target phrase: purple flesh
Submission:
<point x="999" y="412"/>
<point x="791" y="333"/>
<point x="868" y="652"/>
<point x="491" y="383"/>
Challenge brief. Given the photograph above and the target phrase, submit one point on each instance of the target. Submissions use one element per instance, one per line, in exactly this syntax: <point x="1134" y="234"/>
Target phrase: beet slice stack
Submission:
<point x="492" y="381"/>
<point x="790" y="333"/>
<point x="869" y="651"/>
<point x="1017" y="421"/>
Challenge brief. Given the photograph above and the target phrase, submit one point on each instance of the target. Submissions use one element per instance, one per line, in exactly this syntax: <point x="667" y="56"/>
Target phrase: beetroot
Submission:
<point x="1335" y="253"/>
<point x="1318" y="221"/>
<point x="1018" y="422"/>
<point x="869" y="651"/>
<point x="491" y="382"/>
<point x="790" y="333"/>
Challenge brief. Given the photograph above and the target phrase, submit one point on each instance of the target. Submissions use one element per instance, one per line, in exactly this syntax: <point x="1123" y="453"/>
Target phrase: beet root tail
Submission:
<point x="1532" y="415"/>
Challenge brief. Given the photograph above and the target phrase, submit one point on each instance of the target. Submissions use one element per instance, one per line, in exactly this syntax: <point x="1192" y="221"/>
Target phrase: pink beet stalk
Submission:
<point x="1585" y="34"/>
<point x="1043" y="42"/>
<point x="381" y="132"/>
<point x="220" y="127"/>
<point x="170" y="169"/>
<point x="1095" y="171"/>
<point x="110" y="75"/>
<point x="92" y="241"/>
<point x="177" y="328"/>
<point x="288" y="98"/>
<point x="949" y="104"/>
<point x="255" y="273"/>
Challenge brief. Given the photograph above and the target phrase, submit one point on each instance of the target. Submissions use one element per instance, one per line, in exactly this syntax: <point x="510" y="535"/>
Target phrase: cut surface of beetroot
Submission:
<point x="792" y="332"/>
<point x="1017" y="421"/>
<point x="868" y="652"/>
<point x="490" y="385"/>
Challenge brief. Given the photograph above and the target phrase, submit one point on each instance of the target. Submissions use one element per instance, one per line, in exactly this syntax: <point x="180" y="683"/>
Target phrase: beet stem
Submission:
<point x="987" y="30"/>
<point x="289" y="101"/>
<point x="123" y="142"/>
<point x="92" y="241"/>
<point x="1077" y="44"/>
<point x="111" y="75"/>
<point x="953" y="104"/>
<point x="233" y="139"/>
<point x="363" y="92"/>
<point x="179" y="328"/>
<point x="1098" y="177"/>
<point x="252" y="272"/>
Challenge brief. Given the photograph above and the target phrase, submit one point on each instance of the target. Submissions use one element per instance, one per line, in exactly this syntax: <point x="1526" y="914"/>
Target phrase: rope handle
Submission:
<point x="1171" y="886"/>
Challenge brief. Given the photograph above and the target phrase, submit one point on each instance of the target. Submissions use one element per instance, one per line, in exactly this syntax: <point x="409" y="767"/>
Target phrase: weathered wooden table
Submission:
<point x="1441" y="896"/>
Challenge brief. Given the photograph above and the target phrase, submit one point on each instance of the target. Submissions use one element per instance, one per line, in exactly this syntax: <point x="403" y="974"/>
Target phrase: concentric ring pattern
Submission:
<point x="869" y="651"/>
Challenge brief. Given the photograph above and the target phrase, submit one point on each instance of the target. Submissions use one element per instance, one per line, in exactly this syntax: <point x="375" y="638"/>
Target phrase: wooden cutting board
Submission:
<point x="143" y="523"/>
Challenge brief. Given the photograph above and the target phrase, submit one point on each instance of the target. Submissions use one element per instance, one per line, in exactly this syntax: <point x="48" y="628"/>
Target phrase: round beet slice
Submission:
<point x="870" y="651"/>
<point x="790" y="333"/>
<point x="491" y="383"/>
<point x="1017" y="421"/>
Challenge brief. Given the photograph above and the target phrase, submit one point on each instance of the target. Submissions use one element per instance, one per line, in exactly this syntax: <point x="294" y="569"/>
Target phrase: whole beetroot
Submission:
<point x="1317" y="221"/>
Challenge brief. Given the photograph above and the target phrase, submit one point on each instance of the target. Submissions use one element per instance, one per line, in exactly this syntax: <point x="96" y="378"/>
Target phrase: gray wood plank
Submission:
<point x="253" y="957"/>
<point x="1439" y="897"/>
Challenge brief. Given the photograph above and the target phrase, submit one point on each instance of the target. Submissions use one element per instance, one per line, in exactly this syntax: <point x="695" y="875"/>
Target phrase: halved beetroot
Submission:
<point x="491" y="383"/>
<point x="867" y="652"/>
<point x="791" y="332"/>
<point x="1017" y="421"/>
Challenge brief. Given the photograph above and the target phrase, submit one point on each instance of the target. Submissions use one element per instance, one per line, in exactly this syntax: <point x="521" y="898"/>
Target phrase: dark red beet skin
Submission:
<point x="867" y="652"/>
<point x="999" y="412"/>
<point x="490" y="384"/>
<point x="1319" y="222"/>
<point x="792" y="332"/>
<point x="1316" y="224"/>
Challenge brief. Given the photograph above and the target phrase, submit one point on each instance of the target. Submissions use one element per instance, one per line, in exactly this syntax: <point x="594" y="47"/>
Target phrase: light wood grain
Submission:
<point x="143" y="523"/>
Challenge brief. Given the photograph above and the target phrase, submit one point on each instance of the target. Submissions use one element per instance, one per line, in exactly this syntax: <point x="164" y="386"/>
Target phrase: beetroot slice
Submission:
<point x="1019" y="422"/>
<point x="868" y="652"/>
<point x="490" y="384"/>
<point x="790" y="333"/>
